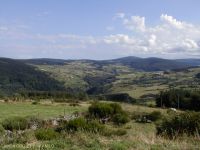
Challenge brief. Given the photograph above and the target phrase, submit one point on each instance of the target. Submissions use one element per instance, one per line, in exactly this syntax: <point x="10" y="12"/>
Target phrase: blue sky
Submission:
<point x="99" y="29"/>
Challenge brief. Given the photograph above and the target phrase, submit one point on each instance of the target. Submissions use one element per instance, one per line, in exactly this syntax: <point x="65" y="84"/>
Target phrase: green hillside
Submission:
<point x="116" y="78"/>
<point x="125" y="75"/>
<point x="15" y="76"/>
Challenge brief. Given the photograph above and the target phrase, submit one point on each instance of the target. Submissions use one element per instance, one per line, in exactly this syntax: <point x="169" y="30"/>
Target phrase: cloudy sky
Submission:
<point x="99" y="29"/>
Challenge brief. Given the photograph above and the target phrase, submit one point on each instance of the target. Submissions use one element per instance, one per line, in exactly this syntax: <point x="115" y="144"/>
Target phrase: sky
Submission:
<point x="99" y="29"/>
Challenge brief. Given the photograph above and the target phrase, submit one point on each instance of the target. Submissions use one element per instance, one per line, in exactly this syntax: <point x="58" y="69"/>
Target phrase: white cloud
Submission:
<point x="171" y="21"/>
<point x="152" y="40"/>
<point x="135" y="23"/>
<point x="119" y="39"/>
<point x="169" y="38"/>
<point x="190" y="44"/>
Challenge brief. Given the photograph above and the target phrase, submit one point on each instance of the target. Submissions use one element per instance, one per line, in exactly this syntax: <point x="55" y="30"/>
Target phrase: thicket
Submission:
<point x="21" y="123"/>
<point x="178" y="124"/>
<point x="84" y="125"/>
<point x="181" y="99"/>
<point x="15" y="123"/>
<point x="113" y="111"/>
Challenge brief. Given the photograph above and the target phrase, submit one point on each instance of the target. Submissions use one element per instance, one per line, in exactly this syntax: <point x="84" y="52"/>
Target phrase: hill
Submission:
<point x="139" y="77"/>
<point x="191" y="62"/>
<point x="142" y="64"/>
<point x="17" y="76"/>
<point x="151" y="64"/>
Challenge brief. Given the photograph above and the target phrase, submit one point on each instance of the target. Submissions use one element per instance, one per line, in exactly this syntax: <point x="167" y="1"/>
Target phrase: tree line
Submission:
<point x="180" y="99"/>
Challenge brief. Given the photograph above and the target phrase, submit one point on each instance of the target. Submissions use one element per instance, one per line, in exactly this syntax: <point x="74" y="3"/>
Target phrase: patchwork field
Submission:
<point x="117" y="78"/>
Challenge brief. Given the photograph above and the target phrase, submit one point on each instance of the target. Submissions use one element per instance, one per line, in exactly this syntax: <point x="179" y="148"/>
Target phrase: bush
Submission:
<point x="179" y="124"/>
<point x="110" y="111"/>
<point x="46" y="134"/>
<point x="116" y="108"/>
<point x="95" y="127"/>
<point x="100" y="110"/>
<point x="76" y="124"/>
<point x="104" y="110"/>
<point x="154" y="116"/>
<point x="15" y="123"/>
<point x="120" y="118"/>
<point x="82" y="124"/>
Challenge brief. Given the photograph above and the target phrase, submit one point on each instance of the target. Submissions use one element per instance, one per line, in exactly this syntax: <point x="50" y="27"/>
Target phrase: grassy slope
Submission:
<point x="139" y="136"/>
<point x="44" y="110"/>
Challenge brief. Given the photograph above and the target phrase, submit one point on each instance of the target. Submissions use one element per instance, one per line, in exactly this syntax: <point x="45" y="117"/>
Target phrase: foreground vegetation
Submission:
<point x="97" y="126"/>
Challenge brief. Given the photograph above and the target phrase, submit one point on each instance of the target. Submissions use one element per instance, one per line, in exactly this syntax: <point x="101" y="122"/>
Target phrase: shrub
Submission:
<point x="154" y="116"/>
<point x="46" y="134"/>
<point x="111" y="111"/>
<point x="116" y="108"/>
<point x="101" y="110"/>
<point x="121" y="118"/>
<point x="82" y="124"/>
<point x="76" y="124"/>
<point x="179" y="124"/>
<point x="15" y="123"/>
<point x="95" y="127"/>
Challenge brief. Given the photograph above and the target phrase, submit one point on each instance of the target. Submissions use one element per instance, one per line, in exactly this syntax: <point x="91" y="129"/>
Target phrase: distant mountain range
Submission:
<point x="143" y="64"/>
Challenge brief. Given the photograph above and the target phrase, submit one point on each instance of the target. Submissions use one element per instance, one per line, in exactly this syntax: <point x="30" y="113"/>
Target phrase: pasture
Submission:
<point x="43" y="110"/>
<point x="138" y="135"/>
